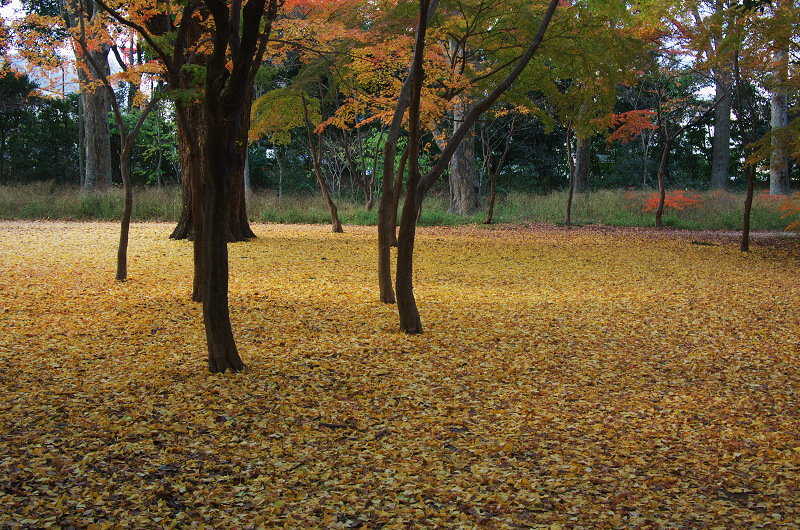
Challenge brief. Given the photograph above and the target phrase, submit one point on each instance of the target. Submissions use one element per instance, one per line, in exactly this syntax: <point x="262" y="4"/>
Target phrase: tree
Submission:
<point x="238" y="39"/>
<point x="416" y="184"/>
<point x="95" y="102"/>
<point x="127" y="140"/>
<point x="316" y="156"/>
<point x="779" y="183"/>
<point x="16" y="99"/>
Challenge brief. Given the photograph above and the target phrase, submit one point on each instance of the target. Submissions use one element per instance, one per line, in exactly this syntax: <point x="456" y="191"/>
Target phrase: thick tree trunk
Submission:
<point x="94" y="103"/>
<point x="190" y="129"/>
<point x="97" y="140"/>
<point x="778" y="162"/>
<point x="222" y="352"/>
<point x="464" y="187"/>
<point x="583" y="156"/>
<point x="238" y="225"/>
<point x="721" y="150"/>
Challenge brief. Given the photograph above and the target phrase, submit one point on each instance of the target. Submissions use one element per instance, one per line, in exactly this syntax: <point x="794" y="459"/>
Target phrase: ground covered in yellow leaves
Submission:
<point x="566" y="379"/>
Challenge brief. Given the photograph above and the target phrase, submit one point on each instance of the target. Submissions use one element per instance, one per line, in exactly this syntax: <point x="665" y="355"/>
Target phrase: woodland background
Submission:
<point x="615" y="82"/>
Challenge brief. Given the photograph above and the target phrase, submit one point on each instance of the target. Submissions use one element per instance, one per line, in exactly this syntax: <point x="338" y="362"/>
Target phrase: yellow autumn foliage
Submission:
<point x="591" y="378"/>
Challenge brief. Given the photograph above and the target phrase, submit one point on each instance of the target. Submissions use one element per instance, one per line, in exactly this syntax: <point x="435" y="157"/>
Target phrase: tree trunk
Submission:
<point x="744" y="245"/>
<point x="316" y="157"/>
<point x="583" y="156"/>
<point x="662" y="194"/>
<point x="497" y="170"/>
<point x="721" y="150"/>
<point x="93" y="98"/>
<point x="464" y="187"/>
<point x="190" y="129"/>
<point x="410" y="321"/>
<point x="571" y="192"/>
<point x="97" y="140"/>
<point x="222" y="352"/>
<point x="778" y="162"/>
<point x="238" y="224"/>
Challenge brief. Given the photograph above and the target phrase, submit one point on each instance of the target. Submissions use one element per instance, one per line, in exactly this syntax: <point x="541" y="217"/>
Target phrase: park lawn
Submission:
<point x="585" y="378"/>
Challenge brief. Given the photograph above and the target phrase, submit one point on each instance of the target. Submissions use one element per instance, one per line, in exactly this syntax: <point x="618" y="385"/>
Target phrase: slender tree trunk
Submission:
<point x="568" y="215"/>
<point x="662" y="194"/>
<point x="496" y="174"/>
<point x="744" y="245"/>
<point x="316" y="154"/>
<point x="410" y="321"/>
<point x="721" y="150"/>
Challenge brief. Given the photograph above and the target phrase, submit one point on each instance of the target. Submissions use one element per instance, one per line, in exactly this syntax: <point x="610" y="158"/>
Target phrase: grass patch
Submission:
<point x="718" y="210"/>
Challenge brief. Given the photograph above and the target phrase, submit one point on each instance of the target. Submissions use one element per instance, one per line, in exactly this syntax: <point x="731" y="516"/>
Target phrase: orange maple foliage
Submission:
<point x="790" y="206"/>
<point x="677" y="200"/>
<point x="595" y="378"/>
<point x="629" y="125"/>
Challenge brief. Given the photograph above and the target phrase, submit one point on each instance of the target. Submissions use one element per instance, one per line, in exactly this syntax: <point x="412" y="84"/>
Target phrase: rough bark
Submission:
<point x="97" y="139"/>
<point x="226" y="102"/>
<point x="94" y="101"/>
<point x="583" y="156"/>
<point x="721" y="150"/>
<point x="778" y="162"/>
<point x="190" y="129"/>
<point x="238" y="224"/>
<point x="464" y="187"/>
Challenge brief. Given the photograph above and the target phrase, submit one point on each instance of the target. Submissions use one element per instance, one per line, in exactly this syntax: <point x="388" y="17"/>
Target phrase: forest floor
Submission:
<point x="585" y="378"/>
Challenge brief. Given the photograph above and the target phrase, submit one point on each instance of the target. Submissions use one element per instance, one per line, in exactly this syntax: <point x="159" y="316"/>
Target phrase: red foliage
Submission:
<point x="629" y="125"/>
<point x="791" y="208"/>
<point x="677" y="200"/>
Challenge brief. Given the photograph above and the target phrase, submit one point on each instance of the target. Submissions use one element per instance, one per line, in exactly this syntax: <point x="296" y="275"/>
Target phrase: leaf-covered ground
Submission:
<point x="565" y="379"/>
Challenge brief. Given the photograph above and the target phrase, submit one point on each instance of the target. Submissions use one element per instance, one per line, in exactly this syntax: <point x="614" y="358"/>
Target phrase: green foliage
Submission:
<point x="158" y="135"/>
<point x="38" y="136"/>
